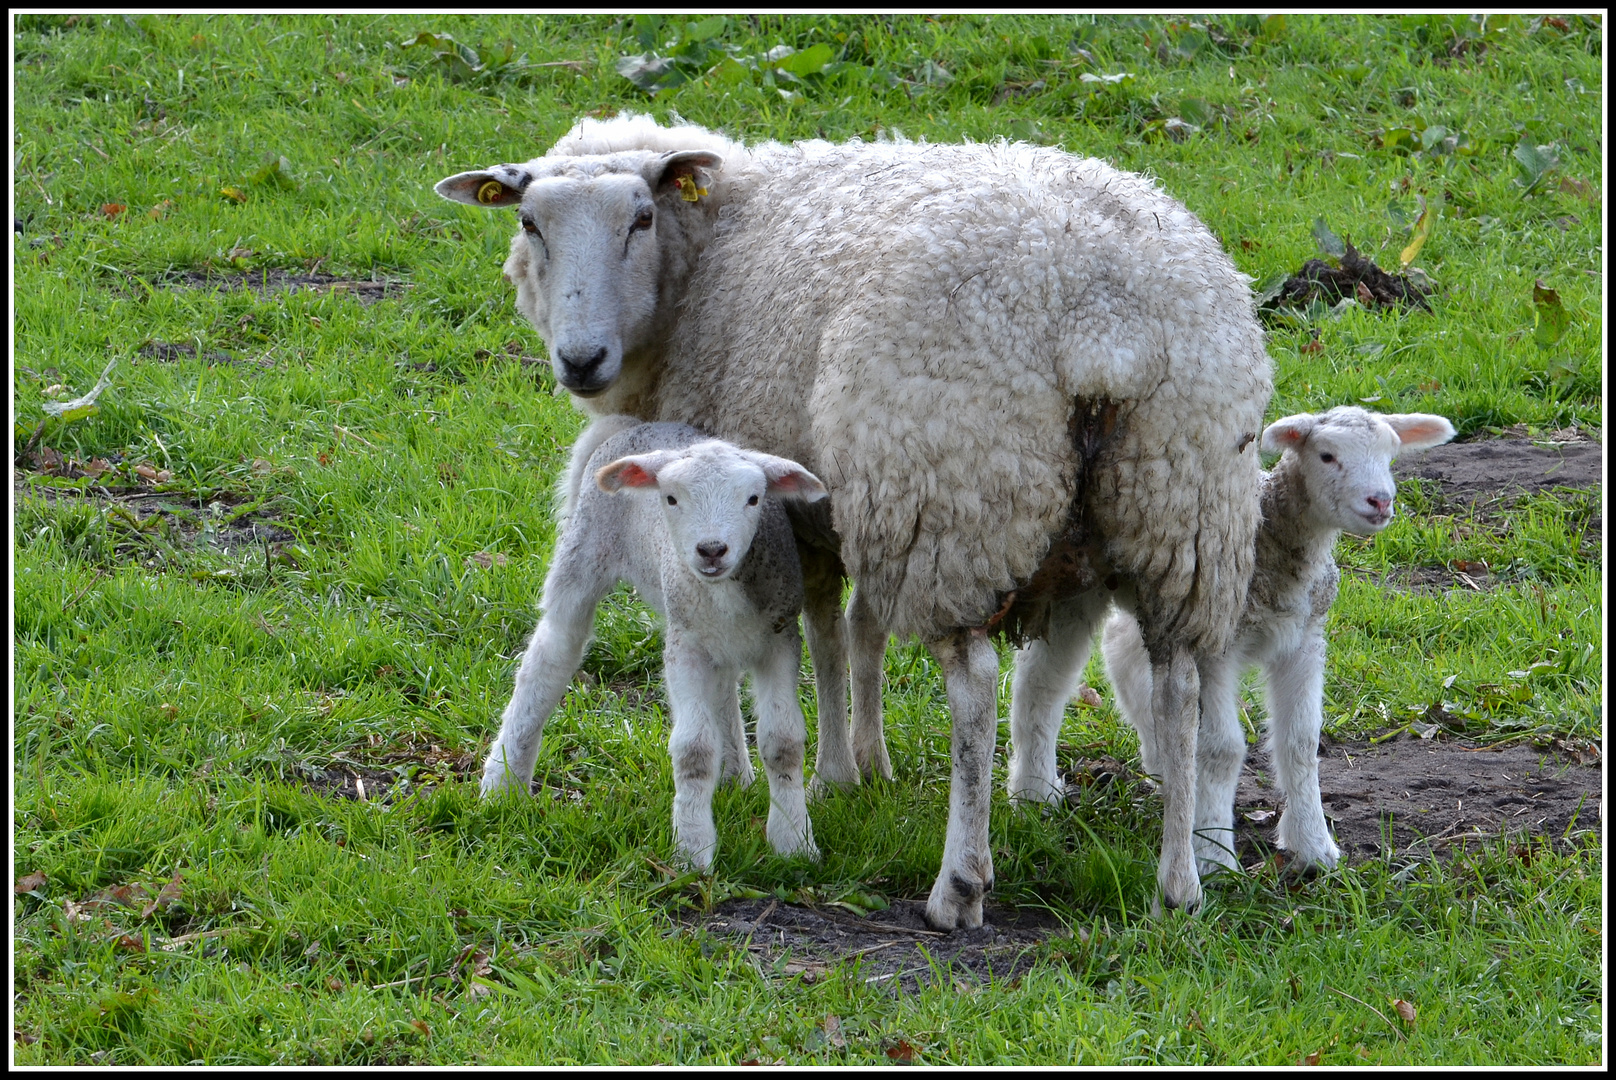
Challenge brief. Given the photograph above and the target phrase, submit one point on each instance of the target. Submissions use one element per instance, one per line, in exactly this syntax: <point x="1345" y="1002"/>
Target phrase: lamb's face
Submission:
<point x="1344" y="458"/>
<point x="587" y="259"/>
<point x="711" y="495"/>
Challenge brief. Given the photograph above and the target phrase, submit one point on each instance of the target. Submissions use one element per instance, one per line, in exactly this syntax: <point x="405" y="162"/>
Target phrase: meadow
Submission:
<point x="270" y="585"/>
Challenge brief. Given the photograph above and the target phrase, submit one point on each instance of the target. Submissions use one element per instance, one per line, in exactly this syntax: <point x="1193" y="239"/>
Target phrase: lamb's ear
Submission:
<point x="681" y="169"/>
<point x="787" y="479"/>
<point x="639" y="471"/>
<point x="1420" y="431"/>
<point x="501" y="185"/>
<point x="1288" y="433"/>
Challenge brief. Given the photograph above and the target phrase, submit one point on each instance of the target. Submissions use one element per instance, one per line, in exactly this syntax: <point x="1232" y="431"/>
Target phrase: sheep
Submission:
<point x="713" y="554"/>
<point x="1334" y="476"/>
<point x="1027" y="379"/>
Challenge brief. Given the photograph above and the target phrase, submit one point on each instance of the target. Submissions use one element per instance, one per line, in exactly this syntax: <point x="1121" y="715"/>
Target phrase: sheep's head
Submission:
<point x="712" y="497"/>
<point x="1343" y="458"/>
<point x="587" y="262"/>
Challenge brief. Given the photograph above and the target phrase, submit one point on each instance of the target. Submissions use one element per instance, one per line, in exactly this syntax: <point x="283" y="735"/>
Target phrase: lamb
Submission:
<point x="1028" y="380"/>
<point x="703" y="538"/>
<point x="1335" y="475"/>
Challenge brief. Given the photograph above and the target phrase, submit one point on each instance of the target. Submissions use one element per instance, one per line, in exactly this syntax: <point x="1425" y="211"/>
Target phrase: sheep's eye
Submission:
<point x="1327" y="458"/>
<point x="529" y="227"/>
<point x="672" y="501"/>
<point x="752" y="501"/>
<point x="642" y="221"/>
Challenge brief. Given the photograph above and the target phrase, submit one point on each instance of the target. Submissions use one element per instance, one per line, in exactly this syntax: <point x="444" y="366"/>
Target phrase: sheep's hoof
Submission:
<point x="1177" y="892"/>
<point x="500" y="784"/>
<point x="876" y="764"/>
<point x="819" y="787"/>
<point x="956" y="902"/>
<point x="740" y="777"/>
<point x="1037" y="791"/>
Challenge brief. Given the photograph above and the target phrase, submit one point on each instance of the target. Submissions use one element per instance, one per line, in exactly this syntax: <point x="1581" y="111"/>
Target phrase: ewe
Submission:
<point x="1335" y="475"/>
<point x="705" y="542"/>
<point x="1029" y="380"/>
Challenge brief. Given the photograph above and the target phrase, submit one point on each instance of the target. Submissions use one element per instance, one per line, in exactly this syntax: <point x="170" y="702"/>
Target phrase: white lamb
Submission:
<point x="703" y="538"/>
<point x="1335" y="475"/>
<point x="1029" y="380"/>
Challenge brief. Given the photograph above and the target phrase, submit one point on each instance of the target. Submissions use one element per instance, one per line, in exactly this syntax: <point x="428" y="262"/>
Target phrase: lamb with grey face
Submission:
<point x="696" y="525"/>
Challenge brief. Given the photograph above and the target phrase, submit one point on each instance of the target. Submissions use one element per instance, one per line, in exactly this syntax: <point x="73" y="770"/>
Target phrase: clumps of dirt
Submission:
<point x="1420" y="798"/>
<point x="893" y="949"/>
<point x="1357" y="278"/>
<point x="270" y="280"/>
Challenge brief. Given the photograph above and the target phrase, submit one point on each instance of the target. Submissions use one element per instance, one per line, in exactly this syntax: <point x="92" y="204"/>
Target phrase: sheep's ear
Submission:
<point x="682" y="170"/>
<point x="788" y="480"/>
<point x="1420" y="431"/>
<point x="1288" y="433"/>
<point x="499" y="186"/>
<point x="639" y="471"/>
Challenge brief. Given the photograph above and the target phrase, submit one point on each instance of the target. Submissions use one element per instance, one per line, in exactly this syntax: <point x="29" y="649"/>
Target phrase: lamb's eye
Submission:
<point x="1327" y="458"/>
<point x="641" y="221"/>
<point x="529" y="227"/>
<point x="672" y="501"/>
<point x="752" y="501"/>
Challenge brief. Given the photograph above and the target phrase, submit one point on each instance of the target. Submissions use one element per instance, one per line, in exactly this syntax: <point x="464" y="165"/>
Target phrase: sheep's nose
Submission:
<point x="712" y="549"/>
<point x="579" y="365"/>
<point x="1381" y="503"/>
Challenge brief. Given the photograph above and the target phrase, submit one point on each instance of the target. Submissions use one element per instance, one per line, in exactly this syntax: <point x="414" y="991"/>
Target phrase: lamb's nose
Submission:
<point x="1381" y="503"/>
<point x="712" y="549"/>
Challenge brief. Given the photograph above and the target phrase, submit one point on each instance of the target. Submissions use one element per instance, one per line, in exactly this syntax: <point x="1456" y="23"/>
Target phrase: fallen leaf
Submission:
<point x="130" y="943"/>
<point x="166" y="897"/>
<point x="1090" y="697"/>
<point x="157" y="212"/>
<point x="149" y="472"/>
<point x="1311" y="1059"/>
<point x="422" y="1028"/>
<point x="833" y="1031"/>
<point x="29" y="882"/>
<point x="23" y="1037"/>
<point x="903" y="1052"/>
<point x="334" y="985"/>
<point x="1550" y="318"/>
<point x="486" y="559"/>
<point x="234" y="194"/>
<point x="1315" y="345"/>
<point x="1423" y="225"/>
<point x="1405" y="1009"/>
<point x="240" y="253"/>
<point x="74" y="912"/>
<point x="312" y="951"/>
<point x="112" y="209"/>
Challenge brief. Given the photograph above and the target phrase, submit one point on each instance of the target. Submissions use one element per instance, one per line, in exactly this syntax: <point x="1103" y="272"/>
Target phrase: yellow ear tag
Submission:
<point x="490" y="192"/>
<point x="688" y="191"/>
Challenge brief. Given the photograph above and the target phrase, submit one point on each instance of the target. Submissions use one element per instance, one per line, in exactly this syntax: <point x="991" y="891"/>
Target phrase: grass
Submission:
<point x="177" y="700"/>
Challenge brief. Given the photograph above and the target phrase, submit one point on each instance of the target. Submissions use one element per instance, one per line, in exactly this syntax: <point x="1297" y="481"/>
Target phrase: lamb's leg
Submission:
<point x="737" y="761"/>
<point x="1127" y="665"/>
<point x="827" y="648"/>
<point x="1220" y="751"/>
<point x="1175" y="704"/>
<point x="971" y="675"/>
<point x="869" y="647"/>
<point x="1046" y="676"/>
<point x="781" y="737"/>
<point x="553" y="654"/>
<point x="697" y="690"/>
<point x="1295" y="715"/>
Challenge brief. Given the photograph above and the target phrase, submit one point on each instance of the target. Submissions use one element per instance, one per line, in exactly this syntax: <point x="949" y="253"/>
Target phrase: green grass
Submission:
<point x="174" y="700"/>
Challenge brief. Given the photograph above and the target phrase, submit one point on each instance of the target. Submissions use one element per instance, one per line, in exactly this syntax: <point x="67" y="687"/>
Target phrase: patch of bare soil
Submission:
<point x="1486" y="469"/>
<point x="270" y="280"/>
<point x="892" y="948"/>
<point x="1418" y="798"/>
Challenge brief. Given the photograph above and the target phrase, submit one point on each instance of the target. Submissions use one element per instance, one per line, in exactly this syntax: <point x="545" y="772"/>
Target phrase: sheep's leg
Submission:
<point x="827" y="648"/>
<point x="737" y="761"/>
<point x="1046" y="676"/>
<point x="1127" y="665"/>
<point x="553" y="655"/>
<point x="971" y="675"/>
<point x="781" y="737"/>
<point x="1175" y="704"/>
<point x="1220" y="751"/>
<point x="697" y="690"/>
<point x="869" y="659"/>
<point x="1295" y="716"/>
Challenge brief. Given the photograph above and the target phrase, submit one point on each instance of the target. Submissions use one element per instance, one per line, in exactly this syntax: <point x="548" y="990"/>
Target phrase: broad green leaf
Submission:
<point x="1423" y="224"/>
<point x="1551" y="318"/>
<point x="648" y="28"/>
<point x="645" y="71"/>
<point x="705" y="30"/>
<point x="1535" y="161"/>
<point x="1328" y="242"/>
<point x="1273" y="27"/>
<point x="810" y="61"/>
<point x="1196" y="111"/>
<point x="276" y="170"/>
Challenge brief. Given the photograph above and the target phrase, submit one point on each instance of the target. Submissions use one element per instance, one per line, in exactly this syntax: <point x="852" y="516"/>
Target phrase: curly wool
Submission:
<point x="915" y="323"/>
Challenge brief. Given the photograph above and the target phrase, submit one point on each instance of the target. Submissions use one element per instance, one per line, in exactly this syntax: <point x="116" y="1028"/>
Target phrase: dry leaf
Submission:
<point x="422" y="1027"/>
<point x="1311" y="1059"/>
<point x="240" y="253"/>
<point x="156" y="213"/>
<point x="833" y="1031"/>
<point x="112" y="209"/>
<point x="130" y="943"/>
<point x="74" y="912"/>
<point x="1365" y="297"/>
<point x="903" y="1052"/>
<point x="23" y="1037"/>
<point x="476" y="990"/>
<point x="29" y="882"/>
<point x="1090" y="697"/>
<point x="334" y="985"/>
<point x="166" y="897"/>
<point x="1405" y="1009"/>
<point x="486" y="559"/>
<point x="312" y="951"/>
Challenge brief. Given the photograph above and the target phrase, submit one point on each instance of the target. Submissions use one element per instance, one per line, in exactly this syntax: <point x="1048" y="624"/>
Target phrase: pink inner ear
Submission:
<point x="1415" y="432"/>
<point x="631" y="475"/>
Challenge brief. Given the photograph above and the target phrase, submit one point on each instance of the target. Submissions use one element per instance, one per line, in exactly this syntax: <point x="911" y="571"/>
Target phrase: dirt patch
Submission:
<point x="167" y="352"/>
<point x="267" y="281"/>
<point x="1415" y="798"/>
<point x="892" y="948"/>
<point x="1489" y="468"/>
<point x="1357" y="278"/>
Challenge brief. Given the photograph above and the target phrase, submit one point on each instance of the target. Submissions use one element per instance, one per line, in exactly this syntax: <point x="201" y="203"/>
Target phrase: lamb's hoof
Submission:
<point x="1304" y="868"/>
<point x="741" y="778"/>
<point x="1177" y="892"/>
<point x="956" y="902"/>
<point x="792" y="841"/>
<point x="497" y="783"/>
<point x="1037" y="791"/>
<point x="821" y="786"/>
<point x="873" y="765"/>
